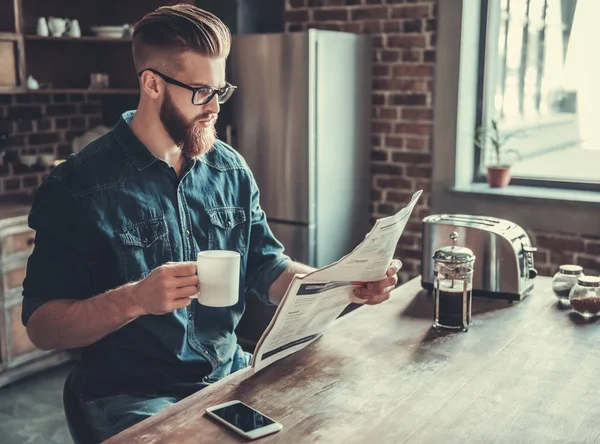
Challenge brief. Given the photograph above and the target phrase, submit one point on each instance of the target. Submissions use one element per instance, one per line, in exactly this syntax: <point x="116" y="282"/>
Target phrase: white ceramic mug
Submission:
<point x="219" y="277"/>
<point x="58" y="26"/>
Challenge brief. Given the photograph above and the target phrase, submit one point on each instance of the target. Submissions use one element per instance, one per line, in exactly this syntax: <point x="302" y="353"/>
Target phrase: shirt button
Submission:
<point x="227" y="224"/>
<point x="188" y="233"/>
<point x="145" y="240"/>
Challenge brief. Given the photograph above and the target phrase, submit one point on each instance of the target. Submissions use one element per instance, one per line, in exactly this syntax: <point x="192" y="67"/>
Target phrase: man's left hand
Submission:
<point x="376" y="292"/>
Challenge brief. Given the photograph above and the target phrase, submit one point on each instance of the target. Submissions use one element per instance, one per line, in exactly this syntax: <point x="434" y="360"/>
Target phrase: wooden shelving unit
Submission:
<point x="64" y="64"/>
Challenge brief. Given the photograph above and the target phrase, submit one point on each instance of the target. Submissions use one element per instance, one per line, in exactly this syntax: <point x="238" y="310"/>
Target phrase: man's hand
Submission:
<point x="166" y="288"/>
<point x="376" y="292"/>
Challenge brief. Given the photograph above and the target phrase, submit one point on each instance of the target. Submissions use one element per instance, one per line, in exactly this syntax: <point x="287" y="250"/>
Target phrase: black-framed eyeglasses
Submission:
<point x="201" y="95"/>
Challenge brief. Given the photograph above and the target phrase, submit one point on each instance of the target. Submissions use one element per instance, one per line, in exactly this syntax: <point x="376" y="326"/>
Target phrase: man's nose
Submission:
<point x="213" y="106"/>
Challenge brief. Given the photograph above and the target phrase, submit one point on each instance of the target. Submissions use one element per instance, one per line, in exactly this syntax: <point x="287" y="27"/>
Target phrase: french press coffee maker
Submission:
<point x="453" y="286"/>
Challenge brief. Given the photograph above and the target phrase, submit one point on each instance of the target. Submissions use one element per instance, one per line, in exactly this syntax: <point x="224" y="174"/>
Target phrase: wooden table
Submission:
<point x="527" y="372"/>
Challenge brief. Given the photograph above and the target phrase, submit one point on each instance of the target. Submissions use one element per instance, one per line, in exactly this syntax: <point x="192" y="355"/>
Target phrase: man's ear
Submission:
<point x="150" y="85"/>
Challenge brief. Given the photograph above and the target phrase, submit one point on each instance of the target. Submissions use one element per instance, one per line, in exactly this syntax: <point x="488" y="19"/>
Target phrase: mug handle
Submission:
<point x="68" y="24"/>
<point x="197" y="293"/>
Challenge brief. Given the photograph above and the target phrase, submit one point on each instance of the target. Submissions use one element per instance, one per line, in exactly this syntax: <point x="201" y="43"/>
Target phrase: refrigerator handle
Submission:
<point x="230" y="136"/>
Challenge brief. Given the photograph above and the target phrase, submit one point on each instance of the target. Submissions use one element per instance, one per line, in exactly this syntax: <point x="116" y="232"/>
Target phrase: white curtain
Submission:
<point x="582" y="70"/>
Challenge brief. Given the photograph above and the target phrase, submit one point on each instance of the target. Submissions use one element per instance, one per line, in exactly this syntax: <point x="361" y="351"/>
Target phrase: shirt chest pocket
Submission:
<point x="143" y="246"/>
<point x="227" y="230"/>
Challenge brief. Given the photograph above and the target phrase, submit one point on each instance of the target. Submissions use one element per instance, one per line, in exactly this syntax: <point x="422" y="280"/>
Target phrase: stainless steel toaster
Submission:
<point x="504" y="254"/>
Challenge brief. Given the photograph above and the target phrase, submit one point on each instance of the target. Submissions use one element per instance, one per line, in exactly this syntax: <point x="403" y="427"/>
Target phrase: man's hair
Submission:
<point x="163" y="35"/>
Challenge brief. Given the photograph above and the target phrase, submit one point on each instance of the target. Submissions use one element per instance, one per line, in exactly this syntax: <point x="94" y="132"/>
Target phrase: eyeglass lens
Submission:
<point x="204" y="95"/>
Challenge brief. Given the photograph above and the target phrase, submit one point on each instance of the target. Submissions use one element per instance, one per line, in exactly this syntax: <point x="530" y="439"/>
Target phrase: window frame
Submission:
<point x="546" y="207"/>
<point x="486" y="86"/>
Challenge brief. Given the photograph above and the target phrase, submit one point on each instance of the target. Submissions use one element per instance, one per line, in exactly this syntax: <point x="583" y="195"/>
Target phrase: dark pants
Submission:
<point x="110" y="415"/>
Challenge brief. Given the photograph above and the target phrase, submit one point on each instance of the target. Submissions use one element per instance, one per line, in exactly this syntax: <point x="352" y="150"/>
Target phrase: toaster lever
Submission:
<point x="528" y="249"/>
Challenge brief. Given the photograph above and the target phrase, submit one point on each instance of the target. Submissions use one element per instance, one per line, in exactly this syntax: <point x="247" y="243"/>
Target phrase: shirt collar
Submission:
<point x="140" y="156"/>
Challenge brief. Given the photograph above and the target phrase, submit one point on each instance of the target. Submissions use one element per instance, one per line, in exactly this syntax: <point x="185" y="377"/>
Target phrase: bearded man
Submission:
<point x="119" y="225"/>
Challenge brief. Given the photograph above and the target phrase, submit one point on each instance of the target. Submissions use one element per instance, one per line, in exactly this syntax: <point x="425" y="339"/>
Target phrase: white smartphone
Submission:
<point x="243" y="419"/>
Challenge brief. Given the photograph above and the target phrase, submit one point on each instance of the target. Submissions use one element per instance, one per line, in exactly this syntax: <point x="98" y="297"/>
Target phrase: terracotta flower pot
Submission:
<point x="498" y="176"/>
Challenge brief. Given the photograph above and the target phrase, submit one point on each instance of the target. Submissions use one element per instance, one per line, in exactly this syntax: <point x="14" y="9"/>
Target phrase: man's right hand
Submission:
<point x="69" y="323"/>
<point x="166" y="288"/>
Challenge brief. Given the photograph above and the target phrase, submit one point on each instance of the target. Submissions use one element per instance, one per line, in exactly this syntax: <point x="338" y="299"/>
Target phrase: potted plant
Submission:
<point x="498" y="168"/>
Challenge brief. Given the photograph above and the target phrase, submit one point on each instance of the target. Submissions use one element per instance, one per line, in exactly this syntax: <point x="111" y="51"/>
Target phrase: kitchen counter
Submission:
<point x="524" y="372"/>
<point x="14" y="206"/>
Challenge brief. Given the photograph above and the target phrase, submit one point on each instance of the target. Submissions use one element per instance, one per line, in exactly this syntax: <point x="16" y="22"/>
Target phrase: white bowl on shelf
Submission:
<point x="28" y="159"/>
<point x="108" y="32"/>
<point x="47" y="159"/>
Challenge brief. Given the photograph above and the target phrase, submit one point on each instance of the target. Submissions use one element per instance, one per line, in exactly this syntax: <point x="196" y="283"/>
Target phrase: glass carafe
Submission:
<point x="453" y="286"/>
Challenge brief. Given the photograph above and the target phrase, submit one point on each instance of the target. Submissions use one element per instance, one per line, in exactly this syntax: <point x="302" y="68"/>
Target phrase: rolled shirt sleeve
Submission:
<point x="60" y="265"/>
<point x="266" y="258"/>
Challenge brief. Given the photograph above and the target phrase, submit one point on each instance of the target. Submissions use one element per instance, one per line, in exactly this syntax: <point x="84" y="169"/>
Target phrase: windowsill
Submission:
<point x="537" y="194"/>
<point x="544" y="209"/>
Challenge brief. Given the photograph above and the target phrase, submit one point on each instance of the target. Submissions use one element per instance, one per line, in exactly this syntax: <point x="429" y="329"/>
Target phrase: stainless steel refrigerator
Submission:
<point x="301" y="119"/>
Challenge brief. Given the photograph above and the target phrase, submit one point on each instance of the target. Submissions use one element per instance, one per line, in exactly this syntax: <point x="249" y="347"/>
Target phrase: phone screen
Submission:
<point x="243" y="417"/>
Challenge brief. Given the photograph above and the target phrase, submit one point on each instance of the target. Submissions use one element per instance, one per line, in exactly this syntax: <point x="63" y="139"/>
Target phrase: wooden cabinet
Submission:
<point x="65" y="63"/>
<point x="8" y="67"/>
<point x="12" y="68"/>
<point x="18" y="356"/>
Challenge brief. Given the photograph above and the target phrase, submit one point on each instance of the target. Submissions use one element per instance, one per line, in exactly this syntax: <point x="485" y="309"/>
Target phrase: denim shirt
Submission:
<point x="111" y="214"/>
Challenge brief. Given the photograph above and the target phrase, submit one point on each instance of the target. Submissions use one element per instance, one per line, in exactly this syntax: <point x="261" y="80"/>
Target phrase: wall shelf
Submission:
<point x="12" y="90"/>
<point x="10" y="36"/>
<point x="67" y="62"/>
<point x="85" y="38"/>
<point x="69" y="90"/>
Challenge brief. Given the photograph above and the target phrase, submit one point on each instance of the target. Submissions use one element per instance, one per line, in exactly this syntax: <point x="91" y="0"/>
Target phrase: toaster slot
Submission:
<point x="471" y="219"/>
<point x="482" y="222"/>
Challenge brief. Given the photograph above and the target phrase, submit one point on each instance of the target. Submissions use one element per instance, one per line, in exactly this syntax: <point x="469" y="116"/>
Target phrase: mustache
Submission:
<point x="205" y="116"/>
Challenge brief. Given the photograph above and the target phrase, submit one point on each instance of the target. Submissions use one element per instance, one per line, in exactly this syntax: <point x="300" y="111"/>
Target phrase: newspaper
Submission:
<point x="314" y="301"/>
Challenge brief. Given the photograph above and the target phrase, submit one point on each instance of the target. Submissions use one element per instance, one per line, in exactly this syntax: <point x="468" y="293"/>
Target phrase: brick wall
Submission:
<point x="41" y="124"/>
<point x="46" y="123"/>
<point x="555" y="249"/>
<point x="403" y="68"/>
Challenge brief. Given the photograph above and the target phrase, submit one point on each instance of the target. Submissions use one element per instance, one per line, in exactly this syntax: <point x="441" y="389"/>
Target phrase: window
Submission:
<point x="463" y="95"/>
<point x="541" y="85"/>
